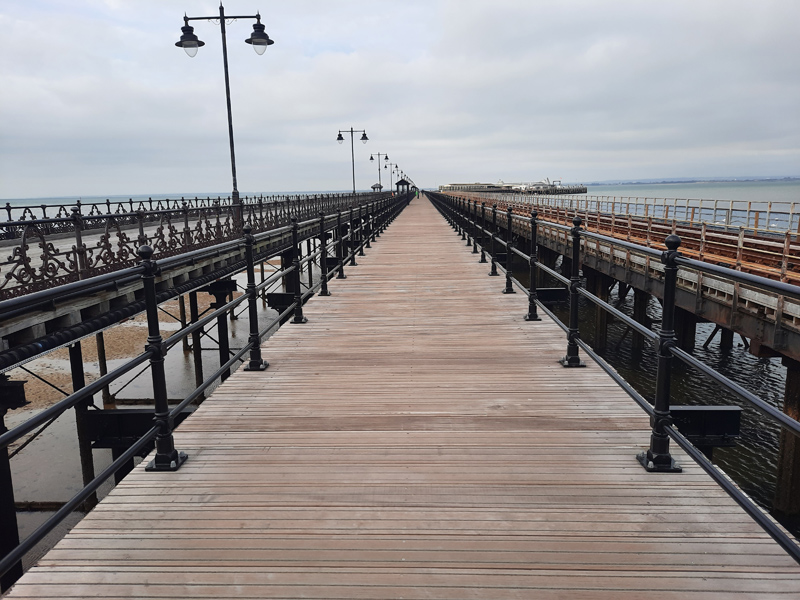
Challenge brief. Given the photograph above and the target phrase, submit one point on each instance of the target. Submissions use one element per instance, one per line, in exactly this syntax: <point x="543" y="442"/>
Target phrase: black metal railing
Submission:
<point x="41" y="256"/>
<point x="465" y="215"/>
<point x="346" y="242"/>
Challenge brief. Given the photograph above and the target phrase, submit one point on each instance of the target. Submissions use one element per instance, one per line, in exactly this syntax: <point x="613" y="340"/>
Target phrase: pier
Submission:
<point x="417" y="437"/>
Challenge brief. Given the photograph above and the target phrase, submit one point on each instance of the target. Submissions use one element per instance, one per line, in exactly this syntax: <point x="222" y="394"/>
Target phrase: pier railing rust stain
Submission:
<point x="747" y="246"/>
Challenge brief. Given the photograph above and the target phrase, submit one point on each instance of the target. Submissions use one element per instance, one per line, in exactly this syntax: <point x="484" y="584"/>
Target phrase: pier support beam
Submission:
<point x="640" y="301"/>
<point x="197" y="349"/>
<point x="685" y="329"/>
<point x="787" y="493"/>
<point x="726" y="339"/>
<point x="600" y="287"/>
<point x="109" y="403"/>
<point x="84" y="441"/>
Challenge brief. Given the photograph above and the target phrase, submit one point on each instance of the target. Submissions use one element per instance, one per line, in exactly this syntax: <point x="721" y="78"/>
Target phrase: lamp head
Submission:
<point x="340" y="139"/>
<point x="259" y="39"/>
<point x="364" y="138"/>
<point x="189" y="41"/>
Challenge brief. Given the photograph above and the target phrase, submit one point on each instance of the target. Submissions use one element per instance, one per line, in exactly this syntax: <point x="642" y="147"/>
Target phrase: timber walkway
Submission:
<point x="416" y="439"/>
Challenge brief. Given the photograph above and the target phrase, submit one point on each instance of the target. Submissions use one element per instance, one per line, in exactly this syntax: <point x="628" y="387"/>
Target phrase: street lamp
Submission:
<point x="364" y="140"/>
<point x="392" y="167"/>
<point x="190" y="43"/>
<point x="385" y="160"/>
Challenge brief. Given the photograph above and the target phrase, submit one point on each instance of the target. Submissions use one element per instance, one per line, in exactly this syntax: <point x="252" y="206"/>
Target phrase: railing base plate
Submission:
<point x="651" y="467"/>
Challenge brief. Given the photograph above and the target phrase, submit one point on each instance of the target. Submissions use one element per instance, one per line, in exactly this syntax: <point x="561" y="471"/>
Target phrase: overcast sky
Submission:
<point x="97" y="100"/>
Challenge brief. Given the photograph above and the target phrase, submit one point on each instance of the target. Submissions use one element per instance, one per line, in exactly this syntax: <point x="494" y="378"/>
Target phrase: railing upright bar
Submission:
<point x="340" y="245"/>
<point x="298" y="294"/>
<point x="323" y="256"/>
<point x="483" y="232"/>
<point x="493" y="272"/>
<point x="256" y="362"/>
<point x="509" y="289"/>
<point x="167" y="458"/>
<point x="533" y="315"/>
<point x="572" y="359"/>
<point x="657" y="458"/>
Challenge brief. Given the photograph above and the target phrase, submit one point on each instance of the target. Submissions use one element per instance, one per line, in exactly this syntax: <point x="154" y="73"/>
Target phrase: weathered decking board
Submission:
<point x="416" y="439"/>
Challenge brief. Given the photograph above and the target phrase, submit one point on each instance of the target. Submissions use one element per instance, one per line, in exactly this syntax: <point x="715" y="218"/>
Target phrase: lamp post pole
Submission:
<point x="364" y="139"/>
<point x="259" y="40"/>
<point x="385" y="160"/>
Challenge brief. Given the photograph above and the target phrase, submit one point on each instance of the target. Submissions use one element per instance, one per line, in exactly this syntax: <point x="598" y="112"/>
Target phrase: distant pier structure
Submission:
<point x="536" y="187"/>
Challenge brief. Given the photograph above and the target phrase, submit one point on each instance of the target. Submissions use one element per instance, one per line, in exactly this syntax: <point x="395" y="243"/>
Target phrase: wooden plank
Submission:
<point x="416" y="438"/>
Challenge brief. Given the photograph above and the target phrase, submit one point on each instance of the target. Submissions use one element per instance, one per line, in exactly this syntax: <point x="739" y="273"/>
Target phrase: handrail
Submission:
<point x="657" y="458"/>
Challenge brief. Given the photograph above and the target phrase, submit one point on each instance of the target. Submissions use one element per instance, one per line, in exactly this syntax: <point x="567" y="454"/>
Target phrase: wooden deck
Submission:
<point x="416" y="439"/>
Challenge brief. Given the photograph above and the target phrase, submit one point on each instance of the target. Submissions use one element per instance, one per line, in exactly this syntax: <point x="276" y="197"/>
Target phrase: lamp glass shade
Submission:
<point x="340" y="139"/>
<point x="191" y="49"/>
<point x="364" y="138"/>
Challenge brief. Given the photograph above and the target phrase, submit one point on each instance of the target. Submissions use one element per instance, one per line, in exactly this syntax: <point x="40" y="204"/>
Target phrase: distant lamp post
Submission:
<point x="259" y="40"/>
<point x="364" y="140"/>
<point x="385" y="160"/>
<point x="392" y="167"/>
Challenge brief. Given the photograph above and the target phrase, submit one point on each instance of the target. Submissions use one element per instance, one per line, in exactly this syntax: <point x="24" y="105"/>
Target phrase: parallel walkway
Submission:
<point x="416" y="439"/>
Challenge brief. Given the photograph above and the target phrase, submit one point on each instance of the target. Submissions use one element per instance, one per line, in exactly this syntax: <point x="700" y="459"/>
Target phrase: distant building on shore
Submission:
<point x="545" y="187"/>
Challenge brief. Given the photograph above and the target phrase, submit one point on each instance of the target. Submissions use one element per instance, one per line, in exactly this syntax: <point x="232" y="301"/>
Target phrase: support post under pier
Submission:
<point x="787" y="493"/>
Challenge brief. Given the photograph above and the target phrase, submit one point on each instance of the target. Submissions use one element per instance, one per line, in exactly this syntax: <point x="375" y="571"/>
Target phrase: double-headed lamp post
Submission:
<point x="394" y="169"/>
<point x="385" y="160"/>
<point x="364" y="140"/>
<point x="259" y="40"/>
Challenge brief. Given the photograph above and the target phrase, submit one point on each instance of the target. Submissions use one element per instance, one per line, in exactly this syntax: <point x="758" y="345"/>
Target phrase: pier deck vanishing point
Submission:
<point x="416" y="439"/>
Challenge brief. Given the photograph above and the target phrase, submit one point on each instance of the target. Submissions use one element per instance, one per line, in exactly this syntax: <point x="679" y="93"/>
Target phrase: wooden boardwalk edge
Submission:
<point x="416" y="439"/>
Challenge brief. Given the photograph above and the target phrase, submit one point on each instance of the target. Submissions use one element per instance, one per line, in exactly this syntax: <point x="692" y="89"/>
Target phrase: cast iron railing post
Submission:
<point x="572" y="359"/>
<point x="493" y="272"/>
<point x="340" y="245"/>
<point x="532" y="262"/>
<point x="657" y="457"/>
<point x="509" y="254"/>
<point x="474" y="219"/>
<point x="142" y="239"/>
<point x="367" y="210"/>
<point x="323" y="256"/>
<point x="79" y="248"/>
<point x="352" y="240"/>
<point x="483" y="232"/>
<point x="256" y="363"/>
<point x="360" y="232"/>
<point x="167" y="457"/>
<point x="462" y="225"/>
<point x="298" y="294"/>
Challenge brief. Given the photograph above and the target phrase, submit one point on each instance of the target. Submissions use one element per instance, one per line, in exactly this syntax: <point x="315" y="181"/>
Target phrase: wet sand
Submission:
<point x="123" y="341"/>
